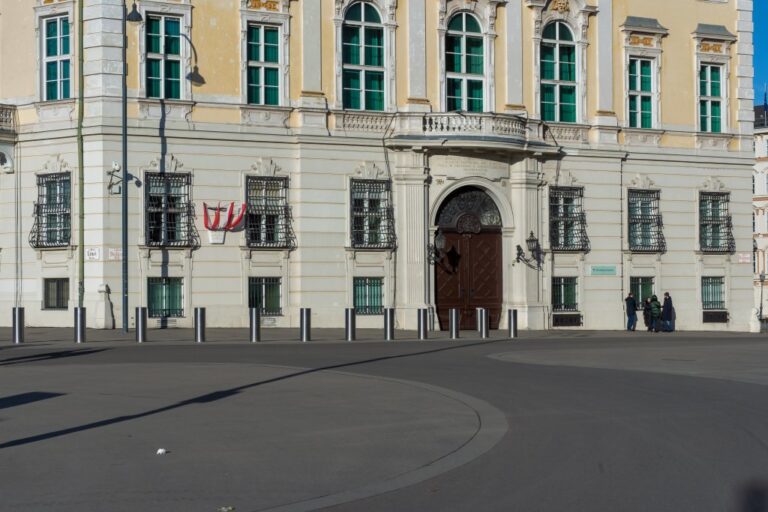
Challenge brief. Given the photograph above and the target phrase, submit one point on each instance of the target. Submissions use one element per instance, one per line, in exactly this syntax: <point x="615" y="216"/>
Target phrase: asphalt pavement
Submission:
<point x="551" y="421"/>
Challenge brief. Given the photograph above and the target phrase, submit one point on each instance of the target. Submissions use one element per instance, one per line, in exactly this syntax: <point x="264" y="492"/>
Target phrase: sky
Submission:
<point x="761" y="49"/>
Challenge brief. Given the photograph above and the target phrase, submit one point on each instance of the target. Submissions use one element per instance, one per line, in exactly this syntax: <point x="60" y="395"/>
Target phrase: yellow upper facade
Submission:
<point x="621" y="64"/>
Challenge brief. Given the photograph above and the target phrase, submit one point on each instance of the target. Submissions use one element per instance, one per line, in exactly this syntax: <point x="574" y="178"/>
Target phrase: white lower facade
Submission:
<point x="319" y="271"/>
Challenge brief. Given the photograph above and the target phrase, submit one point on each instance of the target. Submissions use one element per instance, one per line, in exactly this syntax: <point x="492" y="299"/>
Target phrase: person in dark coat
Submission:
<point x="631" y="311"/>
<point x="666" y="313"/>
<point x="655" y="313"/>
<point x="647" y="314"/>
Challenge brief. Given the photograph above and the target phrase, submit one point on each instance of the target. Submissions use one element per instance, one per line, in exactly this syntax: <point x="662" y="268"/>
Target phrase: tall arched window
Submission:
<point x="558" y="74"/>
<point x="464" y="64"/>
<point x="362" y="58"/>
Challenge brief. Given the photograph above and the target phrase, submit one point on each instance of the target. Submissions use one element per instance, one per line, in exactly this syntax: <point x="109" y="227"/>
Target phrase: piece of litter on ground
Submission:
<point x="162" y="451"/>
<point x="226" y="509"/>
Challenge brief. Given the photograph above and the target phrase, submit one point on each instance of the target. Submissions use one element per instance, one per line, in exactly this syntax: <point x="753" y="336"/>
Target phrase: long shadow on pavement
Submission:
<point x="26" y="398"/>
<point x="50" y="356"/>
<point x="220" y="395"/>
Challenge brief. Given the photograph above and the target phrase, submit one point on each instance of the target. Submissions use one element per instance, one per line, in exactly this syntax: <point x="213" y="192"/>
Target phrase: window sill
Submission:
<point x="569" y="133"/>
<point x="56" y="110"/>
<point x="156" y="108"/>
<point x="713" y="141"/>
<point x="642" y="136"/>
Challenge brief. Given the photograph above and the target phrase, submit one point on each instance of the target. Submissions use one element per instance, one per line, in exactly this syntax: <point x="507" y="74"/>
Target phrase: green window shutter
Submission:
<point x="153" y="35"/>
<point x="65" y="92"/>
<point x="454" y="86"/>
<point x="474" y="55"/>
<point x="351" y="85"/>
<point x="714" y="77"/>
<point x="703" y="115"/>
<point x="646" y="120"/>
<point x="633" y="111"/>
<point x="154" y="80"/>
<point x="715" y="120"/>
<point x="51" y="38"/>
<point x="272" y="299"/>
<point x="254" y="85"/>
<point x="254" y="43"/>
<point x="550" y="31"/>
<point x="456" y="23"/>
<point x="371" y="16"/>
<point x="175" y="299"/>
<point x="645" y="76"/>
<point x="374" y="47"/>
<point x="173" y="79"/>
<point x="568" y="104"/>
<point x="548" y="102"/>
<point x="354" y="13"/>
<point x="172" y="36"/>
<point x="474" y="96"/>
<point x="703" y="82"/>
<point x="470" y="24"/>
<point x="374" y="90"/>
<point x="271" y="45"/>
<point x="350" y="45"/>
<point x="547" y="62"/>
<point x="64" y="46"/>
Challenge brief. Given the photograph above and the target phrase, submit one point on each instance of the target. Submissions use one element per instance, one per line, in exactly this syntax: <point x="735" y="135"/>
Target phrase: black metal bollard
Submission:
<point x="454" y="322"/>
<point x="306" y="324"/>
<point x="423" y="318"/>
<point x="512" y="322"/>
<point x="483" y="324"/>
<point x="350" y="327"/>
<point x="18" y="326"/>
<point x="141" y="324"/>
<point x="389" y="324"/>
<point x="255" y="316"/>
<point x="79" y="325"/>
<point x="199" y="325"/>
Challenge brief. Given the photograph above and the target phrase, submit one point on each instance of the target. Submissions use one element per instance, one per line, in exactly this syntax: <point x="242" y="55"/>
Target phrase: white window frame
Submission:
<point x="654" y="93"/>
<point x="558" y="82"/>
<point x="709" y="99"/>
<point x="281" y="20"/>
<point x="182" y="10"/>
<point x="463" y="75"/>
<point x="484" y="12"/>
<point x="60" y="59"/>
<point x="386" y="9"/>
<point x="364" y="68"/>
<point x="713" y="51"/>
<point x="45" y="12"/>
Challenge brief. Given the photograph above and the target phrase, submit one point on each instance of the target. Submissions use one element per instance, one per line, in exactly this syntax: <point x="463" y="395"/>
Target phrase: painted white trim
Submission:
<point x="281" y="20"/>
<point x="42" y="13"/>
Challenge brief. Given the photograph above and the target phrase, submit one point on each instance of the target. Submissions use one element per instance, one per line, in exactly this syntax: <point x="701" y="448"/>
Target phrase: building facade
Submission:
<point x="760" y="209"/>
<point x="544" y="155"/>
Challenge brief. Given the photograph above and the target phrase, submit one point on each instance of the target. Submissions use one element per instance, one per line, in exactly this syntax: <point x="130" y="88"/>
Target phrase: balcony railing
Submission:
<point x="7" y="118"/>
<point x="458" y="123"/>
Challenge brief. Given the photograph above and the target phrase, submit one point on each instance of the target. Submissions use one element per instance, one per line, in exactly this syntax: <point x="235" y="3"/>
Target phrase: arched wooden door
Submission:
<point x="468" y="273"/>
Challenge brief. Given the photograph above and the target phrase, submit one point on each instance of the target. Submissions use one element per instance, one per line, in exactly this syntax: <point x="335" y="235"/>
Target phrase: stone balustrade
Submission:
<point x="7" y="118"/>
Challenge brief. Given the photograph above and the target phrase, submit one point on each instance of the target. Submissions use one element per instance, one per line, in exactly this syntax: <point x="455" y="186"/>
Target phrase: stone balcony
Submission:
<point x="7" y="120"/>
<point x="457" y="130"/>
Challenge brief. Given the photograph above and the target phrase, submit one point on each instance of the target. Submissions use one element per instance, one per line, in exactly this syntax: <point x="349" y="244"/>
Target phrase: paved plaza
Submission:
<point x="552" y="421"/>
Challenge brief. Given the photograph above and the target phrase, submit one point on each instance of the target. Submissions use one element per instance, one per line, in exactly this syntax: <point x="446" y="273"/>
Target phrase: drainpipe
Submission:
<point x="80" y="157"/>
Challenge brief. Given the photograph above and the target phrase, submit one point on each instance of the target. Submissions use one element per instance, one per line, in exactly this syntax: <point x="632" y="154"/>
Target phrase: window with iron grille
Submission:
<point x="645" y="226"/>
<point x="267" y="222"/>
<point x="53" y="213"/>
<point x="564" y="294"/>
<point x="369" y="295"/>
<point x="713" y="293"/>
<point x="264" y="293"/>
<point x="567" y="221"/>
<point x="372" y="219"/>
<point x="168" y="210"/>
<point x="55" y="293"/>
<point x="165" y="297"/>
<point x="715" y="227"/>
<point x="642" y="288"/>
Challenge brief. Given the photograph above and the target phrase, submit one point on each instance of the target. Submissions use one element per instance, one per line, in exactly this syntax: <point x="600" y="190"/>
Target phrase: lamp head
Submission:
<point x="439" y="240"/>
<point x="134" y="16"/>
<point x="533" y="243"/>
<point x="195" y="77"/>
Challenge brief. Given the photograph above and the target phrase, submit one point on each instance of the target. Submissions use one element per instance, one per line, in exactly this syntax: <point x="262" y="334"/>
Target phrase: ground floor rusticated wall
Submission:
<point x="319" y="269"/>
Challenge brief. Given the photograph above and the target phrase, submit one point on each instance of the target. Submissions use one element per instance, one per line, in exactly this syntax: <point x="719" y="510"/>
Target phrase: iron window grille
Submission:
<point x="169" y="216"/>
<point x="372" y="217"/>
<point x="645" y="223"/>
<point x="715" y="225"/>
<point x="713" y="293"/>
<point x="264" y="294"/>
<point x="165" y="297"/>
<point x="369" y="295"/>
<point x="55" y="293"/>
<point x="564" y="294"/>
<point x="567" y="220"/>
<point x="641" y="288"/>
<point x="53" y="211"/>
<point x="268" y="219"/>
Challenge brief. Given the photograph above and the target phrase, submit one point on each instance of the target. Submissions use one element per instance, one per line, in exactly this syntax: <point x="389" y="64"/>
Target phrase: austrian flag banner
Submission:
<point x="216" y="229"/>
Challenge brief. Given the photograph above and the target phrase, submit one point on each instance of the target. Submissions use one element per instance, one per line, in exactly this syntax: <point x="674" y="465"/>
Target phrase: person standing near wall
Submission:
<point x="631" y="311"/>
<point x="655" y="314"/>
<point x="666" y="313"/>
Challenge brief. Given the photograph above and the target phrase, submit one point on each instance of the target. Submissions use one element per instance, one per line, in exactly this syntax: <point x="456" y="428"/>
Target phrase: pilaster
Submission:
<point x="417" y="56"/>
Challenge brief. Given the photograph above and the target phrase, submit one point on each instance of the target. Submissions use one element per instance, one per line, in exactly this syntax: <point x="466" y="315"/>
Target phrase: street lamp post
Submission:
<point x="134" y="17"/>
<point x="762" y="280"/>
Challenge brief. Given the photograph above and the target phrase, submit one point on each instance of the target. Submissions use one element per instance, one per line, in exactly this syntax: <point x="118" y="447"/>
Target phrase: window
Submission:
<point x="710" y="98"/>
<point x="464" y="64"/>
<point x="55" y="293"/>
<point x="558" y="74"/>
<point x="369" y="295"/>
<point x="56" y="65"/>
<point x="165" y="297"/>
<point x="266" y="223"/>
<point x="163" y="42"/>
<point x="264" y="293"/>
<point x="642" y="288"/>
<point x="713" y="292"/>
<point x="168" y="210"/>
<point x="263" y="49"/>
<point x="564" y="294"/>
<point x="362" y="58"/>
<point x="53" y="212"/>
<point x="640" y="93"/>
<point x="567" y="222"/>
<point x="645" y="226"/>
<point x="715" y="228"/>
<point x="372" y="222"/>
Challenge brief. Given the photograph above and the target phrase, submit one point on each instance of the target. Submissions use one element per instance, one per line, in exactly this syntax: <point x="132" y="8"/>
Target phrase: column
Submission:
<point x="417" y="57"/>
<point x="514" y="29"/>
<point x="313" y="101"/>
<point x="605" y="115"/>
